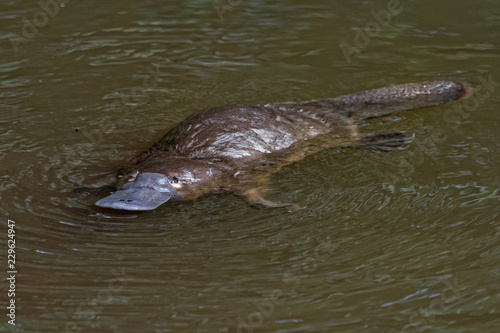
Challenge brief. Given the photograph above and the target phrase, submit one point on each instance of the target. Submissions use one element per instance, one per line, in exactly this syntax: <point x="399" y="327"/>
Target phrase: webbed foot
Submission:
<point x="384" y="142"/>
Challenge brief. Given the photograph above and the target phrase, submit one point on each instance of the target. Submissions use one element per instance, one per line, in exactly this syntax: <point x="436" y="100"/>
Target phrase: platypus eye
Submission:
<point x="133" y="177"/>
<point x="175" y="183"/>
<point x="178" y="182"/>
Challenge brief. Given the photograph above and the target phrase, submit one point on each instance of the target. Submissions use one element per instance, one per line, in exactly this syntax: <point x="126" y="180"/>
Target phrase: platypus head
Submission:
<point x="162" y="179"/>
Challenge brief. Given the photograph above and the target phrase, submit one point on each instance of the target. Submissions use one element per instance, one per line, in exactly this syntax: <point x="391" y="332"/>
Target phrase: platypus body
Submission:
<point x="235" y="148"/>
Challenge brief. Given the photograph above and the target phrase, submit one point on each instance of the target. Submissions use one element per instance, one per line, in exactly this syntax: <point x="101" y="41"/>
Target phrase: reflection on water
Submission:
<point x="403" y="241"/>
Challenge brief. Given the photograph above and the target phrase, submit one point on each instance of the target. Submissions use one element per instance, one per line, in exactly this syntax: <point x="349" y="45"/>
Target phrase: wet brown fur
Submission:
<point x="236" y="148"/>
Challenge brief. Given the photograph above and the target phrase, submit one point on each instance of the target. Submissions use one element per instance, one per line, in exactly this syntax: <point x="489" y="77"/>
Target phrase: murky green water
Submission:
<point x="398" y="242"/>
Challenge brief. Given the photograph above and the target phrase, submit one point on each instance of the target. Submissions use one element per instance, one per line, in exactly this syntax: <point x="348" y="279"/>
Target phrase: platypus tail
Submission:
<point x="383" y="101"/>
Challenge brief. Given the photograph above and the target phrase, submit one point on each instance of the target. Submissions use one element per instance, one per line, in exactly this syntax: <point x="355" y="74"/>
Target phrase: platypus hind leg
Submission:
<point x="384" y="142"/>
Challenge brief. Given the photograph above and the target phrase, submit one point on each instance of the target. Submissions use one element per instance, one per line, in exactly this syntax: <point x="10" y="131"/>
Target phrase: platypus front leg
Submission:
<point x="253" y="187"/>
<point x="255" y="197"/>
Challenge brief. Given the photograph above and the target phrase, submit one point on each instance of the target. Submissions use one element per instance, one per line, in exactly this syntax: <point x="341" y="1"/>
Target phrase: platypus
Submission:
<point x="235" y="148"/>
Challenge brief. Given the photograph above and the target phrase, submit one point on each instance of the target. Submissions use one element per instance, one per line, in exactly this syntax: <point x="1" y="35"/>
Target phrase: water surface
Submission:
<point x="399" y="242"/>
